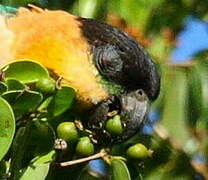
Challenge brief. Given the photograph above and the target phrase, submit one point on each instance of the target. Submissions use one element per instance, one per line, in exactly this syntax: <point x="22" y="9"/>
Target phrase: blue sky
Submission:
<point x="192" y="39"/>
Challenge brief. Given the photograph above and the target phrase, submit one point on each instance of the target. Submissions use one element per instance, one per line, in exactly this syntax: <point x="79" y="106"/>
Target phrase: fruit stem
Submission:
<point x="101" y="154"/>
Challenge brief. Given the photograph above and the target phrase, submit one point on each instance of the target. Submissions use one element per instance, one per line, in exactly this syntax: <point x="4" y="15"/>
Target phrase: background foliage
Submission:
<point x="177" y="129"/>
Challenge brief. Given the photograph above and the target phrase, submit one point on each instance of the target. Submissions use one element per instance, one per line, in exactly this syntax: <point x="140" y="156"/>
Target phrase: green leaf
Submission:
<point x="18" y="3"/>
<point x="14" y="84"/>
<point x="23" y="101"/>
<point x="157" y="173"/>
<point x="17" y="152"/>
<point x="119" y="170"/>
<point x="174" y="115"/>
<point x="39" y="167"/>
<point x="87" y="8"/>
<point x="19" y="149"/>
<point x="7" y="127"/>
<point x="3" y="168"/>
<point x="11" y="96"/>
<point x="198" y="88"/>
<point x="25" y="71"/>
<point x="3" y="87"/>
<point x="45" y="103"/>
<point x="42" y="137"/>
<point x="62" y="101"/>
<point x="133" y="11"/>
<point x="159" y="48"/>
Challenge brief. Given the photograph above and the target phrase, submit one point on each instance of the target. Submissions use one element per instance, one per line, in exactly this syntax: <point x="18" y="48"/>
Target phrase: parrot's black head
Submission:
<point x="121" y="60"/>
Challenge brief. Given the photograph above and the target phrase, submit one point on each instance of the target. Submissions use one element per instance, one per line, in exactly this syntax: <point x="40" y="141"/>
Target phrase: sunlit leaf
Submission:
<point x="174" y="115"/>
<point x="119" y="170"/>
<point x="62" y="101"/>
<point x="45" y="103"/>
<point x="39" y="167"/>
<point x="25" y="71"/>
<point x="134" y="12"/>
<point x="7" y="127"/>
<point x="87" y="8"/>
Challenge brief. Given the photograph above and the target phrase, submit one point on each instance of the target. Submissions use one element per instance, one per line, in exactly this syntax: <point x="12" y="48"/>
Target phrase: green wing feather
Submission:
<point x="8" y="11"/>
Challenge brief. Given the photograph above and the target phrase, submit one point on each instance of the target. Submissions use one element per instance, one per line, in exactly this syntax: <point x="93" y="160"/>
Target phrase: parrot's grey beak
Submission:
<point x="133" y="108"/>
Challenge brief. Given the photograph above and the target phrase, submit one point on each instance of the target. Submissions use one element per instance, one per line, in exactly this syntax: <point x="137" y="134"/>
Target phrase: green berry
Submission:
<point x="138" y="151"/>
<point x="84" y="147"/>
<point x="114" y="126"/>
<point x="46" y="85"/>
<point x="67" y="131"/>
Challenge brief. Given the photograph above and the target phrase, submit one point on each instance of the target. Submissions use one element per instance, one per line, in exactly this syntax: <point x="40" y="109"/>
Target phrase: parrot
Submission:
<point x="110" y="71"/>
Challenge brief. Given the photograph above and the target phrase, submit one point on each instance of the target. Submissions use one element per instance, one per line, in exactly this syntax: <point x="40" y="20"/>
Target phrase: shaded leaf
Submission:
<point x="7" y="127"/>
<point x="11" y="96"/>
<point x="3" y="87"/>
<point x="42" y="138"/>
<point x="199" y="88"/>
<point x="14" y="84"/>
<point x="23" y="101"/>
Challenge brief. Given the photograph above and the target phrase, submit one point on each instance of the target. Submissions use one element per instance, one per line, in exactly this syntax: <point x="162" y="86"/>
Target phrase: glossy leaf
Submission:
<point x="23" y="101"/>
<point x="45" y="103"/>
<point x="39" y="167"/>
<point x="14" y="84"/>
<point x="25" y="71"/>
<point x="119" y="170"/>
<point x="7" y="127"/>
<point x="62" y="101"/>
<point x="3" y="87"/>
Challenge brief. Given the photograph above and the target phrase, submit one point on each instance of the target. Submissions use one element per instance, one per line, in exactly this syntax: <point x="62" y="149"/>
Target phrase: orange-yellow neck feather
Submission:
<point x="54" y="39"/>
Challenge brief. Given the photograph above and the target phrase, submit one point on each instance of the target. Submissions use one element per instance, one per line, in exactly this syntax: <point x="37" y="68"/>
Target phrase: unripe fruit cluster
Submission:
<point x="68" y="132"/>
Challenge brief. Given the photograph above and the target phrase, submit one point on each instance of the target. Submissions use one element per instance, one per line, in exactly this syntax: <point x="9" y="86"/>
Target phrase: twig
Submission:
<point x="184" y="65"/>
<point x="101" y="154"/>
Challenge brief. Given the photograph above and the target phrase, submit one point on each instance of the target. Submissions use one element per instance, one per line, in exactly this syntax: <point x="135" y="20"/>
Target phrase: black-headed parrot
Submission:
<point x="109" y="71"/>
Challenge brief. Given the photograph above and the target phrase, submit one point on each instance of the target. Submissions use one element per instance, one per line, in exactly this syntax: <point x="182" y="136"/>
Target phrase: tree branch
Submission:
<point x="101" y="154"/>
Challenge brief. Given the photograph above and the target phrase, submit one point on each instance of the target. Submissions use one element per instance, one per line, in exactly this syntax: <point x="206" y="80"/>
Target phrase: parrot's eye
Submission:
<point x="139" y="94"/>
<point x="108" y="61"/>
